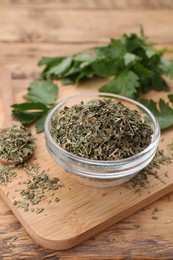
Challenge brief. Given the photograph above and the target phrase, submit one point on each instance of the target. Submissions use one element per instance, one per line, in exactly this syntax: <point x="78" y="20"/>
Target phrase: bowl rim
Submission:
<point x="156" y="133"/>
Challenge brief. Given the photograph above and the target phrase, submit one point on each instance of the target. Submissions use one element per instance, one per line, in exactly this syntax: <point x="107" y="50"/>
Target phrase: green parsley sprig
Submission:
<point x="134" y="65"/>
<point x="42" y="96"/>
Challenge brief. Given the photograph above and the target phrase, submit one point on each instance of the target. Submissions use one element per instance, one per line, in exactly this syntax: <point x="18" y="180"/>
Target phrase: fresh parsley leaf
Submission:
<point x="42" y="95"/>
<point x="126" y="84"/>
<point x="105" y="68"/>
<point x="115" y="50"/>
<point x="167" y="67"/>
<point x="29" y="106"/>
<point x="130" y="58"/>
<point x="44" y="91"/>
<point x="83" y="57"/>
<point x="149" y="51"/>
<point x="40" y="122"/>
<point x="26" y="118"/>
<point x="49" y="60"/>
<point x="62" y="67"/>
<point x="162" y="111"/>
<point x="170" y="96"/>
<point x="24" y="113"/>
<point x="156" y="82"/>
<point x="134" y="43"/>
<point x="68" y="81"/>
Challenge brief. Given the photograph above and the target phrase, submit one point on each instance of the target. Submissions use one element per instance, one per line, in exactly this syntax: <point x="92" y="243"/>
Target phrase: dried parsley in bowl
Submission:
<point x="101" y="130"/>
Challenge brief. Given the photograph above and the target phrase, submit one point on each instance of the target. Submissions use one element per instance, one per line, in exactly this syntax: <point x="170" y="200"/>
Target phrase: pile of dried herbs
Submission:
<point x="101" y="130"/>
<point x="16" y="143"/>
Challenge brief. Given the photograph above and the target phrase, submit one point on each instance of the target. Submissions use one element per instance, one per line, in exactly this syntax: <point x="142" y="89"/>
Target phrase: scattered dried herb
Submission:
<point x="57" y="199"/>
<point x="14" y="238"/>
<point x="156" y="210"/>
<point x="101" y="130"/>
<point x="7" y="174"/>
<point x="136" y="226"/>
<point x="16" y="143"/>
<point x="39" y="210"/>
<point x="38" y="184"/>
<point x="36" y="187"/>
<point x="141" y="179"/>
<point x="21" y="204"/>
<point x="155" y="218"/>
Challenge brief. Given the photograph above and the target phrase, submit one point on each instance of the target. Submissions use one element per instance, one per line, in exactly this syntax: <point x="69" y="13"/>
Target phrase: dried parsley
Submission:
<point x="16" y="143"/>
<point x="7" y="174"/>
<point x="37" y="186"/>
<point x="14" y="238"/>
<point x="141" y="179"/>
<point x="39" y="182"/>
<point x="21" y="204"/>
<point x="39" y="210"/>
<point x="155" y="218"/>
<point x="101" y="130"/>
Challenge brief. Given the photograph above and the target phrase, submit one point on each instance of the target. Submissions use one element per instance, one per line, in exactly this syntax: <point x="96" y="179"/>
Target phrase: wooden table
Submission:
<point x="32" y="29"/>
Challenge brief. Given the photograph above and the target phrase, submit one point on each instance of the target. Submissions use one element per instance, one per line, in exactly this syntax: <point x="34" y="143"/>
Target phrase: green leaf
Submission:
<point x="62" y="67"/>
<point x="86" y="73"/>
<point x="162" y="111"/>
<point x="133" y="42"/>
<point x="167" y="67"/>
<point x="26" y="118"/>
<point x="170" y="96"/>
<point x="115" y="50"/>
<point x="105" y="68"/>
<point x="126" y="84"/>
<point x="49" y="60"/>
<point x="157" y="83"/>
<point x="40" y="122"/>
<point x="130" y="58"/>
<point x="142" y="71"/>
<point x="81" y="57"/>
<point x="29" y="106"/>
<point x="43" y="91"/>
<point x="67" y="81"/>
<point x="23" y="112"/>
<point x="149" y="51"/>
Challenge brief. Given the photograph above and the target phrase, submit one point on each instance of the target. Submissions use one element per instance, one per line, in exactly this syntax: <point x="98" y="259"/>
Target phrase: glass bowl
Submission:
<point x="100" y="173"/>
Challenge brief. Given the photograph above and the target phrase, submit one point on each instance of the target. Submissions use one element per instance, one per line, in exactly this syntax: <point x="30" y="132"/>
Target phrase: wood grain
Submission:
<point x="119" y="242"/>
<point x="93" y="4"/>
<point x="50" y="25"/>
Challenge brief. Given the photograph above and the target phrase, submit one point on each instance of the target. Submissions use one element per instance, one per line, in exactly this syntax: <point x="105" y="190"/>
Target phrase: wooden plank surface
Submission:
<point x="153" y="238"/>
<point x="94" y="4"/>
<point x="81" y="25"/>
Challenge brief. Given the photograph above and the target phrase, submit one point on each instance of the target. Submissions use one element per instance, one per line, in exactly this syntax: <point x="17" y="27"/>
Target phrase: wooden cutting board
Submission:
<point x="82" y="211"/>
